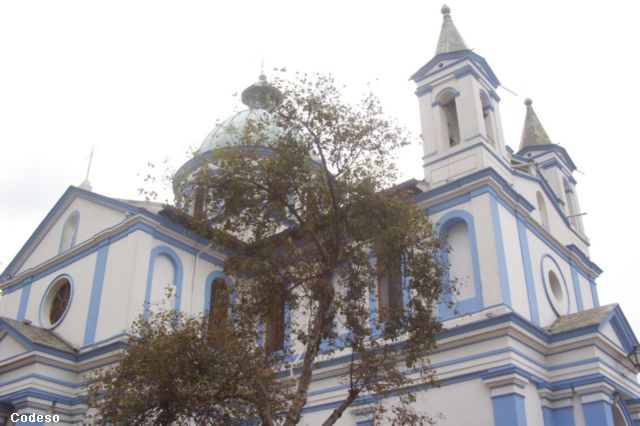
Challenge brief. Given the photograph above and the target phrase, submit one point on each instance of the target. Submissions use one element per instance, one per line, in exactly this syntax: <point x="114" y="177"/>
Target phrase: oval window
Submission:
<point x="56" y="301"/>
<point x="556" y="288"/>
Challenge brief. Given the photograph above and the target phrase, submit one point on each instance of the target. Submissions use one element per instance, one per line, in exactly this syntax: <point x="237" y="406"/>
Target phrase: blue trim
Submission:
<point x="44" y="377"/>
<point x="475" y="303"/>
<point x="622" y="329"/>
<point x="598" y="413"/>
<point x="622" y="405"/>
<point x="96" y="294"/>
<point x="490" y="150"/>
<point x="209" y="284"/>
<point x="376" y="329"/>
<point x="576" y="285"/>
<point x="506" y="186"/>
<point x="583" y="257"/>
<point x="47" y="296"/>
<point x="594" y="293"/>
<point x="32" y="347"/>
<point x="70" y="194"/>
<point x="500" y="253"/>
<point x="73" y="215"/>
<point x="423" y="90"/>
<point x="558" y="416"/>
<point x="24" y="299"/>
<point x="494" y="372"/>
<point x="481" y="64"/>
<point x="457" y="183"/>
<point x="177" y="276"/>
<point x="488" y="189"/>
<point x="441" y="93"/>
<point x="486" y="102"/>
<point x="528" y="273"/>
<point x="508" y="410"/>
<point x="122" y="234"/>
<point x="547" y="286"/>
<point x="544" y="149"/>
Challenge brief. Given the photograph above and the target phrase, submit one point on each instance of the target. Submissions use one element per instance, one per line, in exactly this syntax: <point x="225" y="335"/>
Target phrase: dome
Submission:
<point x="227" y="133"/>
<point x="261" y="98"/>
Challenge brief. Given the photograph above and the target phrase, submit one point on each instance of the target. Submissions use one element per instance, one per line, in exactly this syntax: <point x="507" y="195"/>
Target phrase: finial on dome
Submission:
<point x="528" y="101"/>
<point x="262" y="78"/>
<point x="446" y="10"/>
<point x="261" y="95"/>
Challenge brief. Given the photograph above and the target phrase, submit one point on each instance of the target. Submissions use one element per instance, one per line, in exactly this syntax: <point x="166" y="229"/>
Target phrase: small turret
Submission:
<point x="533" y="133"/>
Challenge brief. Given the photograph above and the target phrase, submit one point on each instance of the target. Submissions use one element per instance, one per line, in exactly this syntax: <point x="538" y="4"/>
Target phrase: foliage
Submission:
<point x="173" y="374"/>
<point x="304" y="203"/>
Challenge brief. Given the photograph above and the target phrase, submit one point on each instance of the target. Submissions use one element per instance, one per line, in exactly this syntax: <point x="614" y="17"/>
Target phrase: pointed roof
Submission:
<point x="450" y="39"/>
<point x="35" y="337"/>
<point x="533" y="134"/>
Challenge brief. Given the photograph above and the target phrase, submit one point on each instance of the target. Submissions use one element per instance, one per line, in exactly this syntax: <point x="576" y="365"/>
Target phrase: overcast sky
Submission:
<point x="146" y="80"/>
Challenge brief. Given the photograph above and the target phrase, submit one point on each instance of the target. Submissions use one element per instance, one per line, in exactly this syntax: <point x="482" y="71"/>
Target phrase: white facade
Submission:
<point x="527" y="342"/>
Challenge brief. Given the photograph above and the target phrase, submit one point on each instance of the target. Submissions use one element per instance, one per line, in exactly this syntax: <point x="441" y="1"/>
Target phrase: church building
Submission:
<point x="526" y="341"/>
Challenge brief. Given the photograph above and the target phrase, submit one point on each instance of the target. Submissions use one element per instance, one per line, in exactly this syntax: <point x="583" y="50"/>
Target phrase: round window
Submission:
<point x="56" y="302"/>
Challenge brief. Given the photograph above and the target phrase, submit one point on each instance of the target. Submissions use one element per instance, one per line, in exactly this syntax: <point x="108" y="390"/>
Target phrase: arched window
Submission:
<point x="457" y="227"/>
<point x="219" y="307"/>
<point x="447" y="101"/>
<point x="487" y="114"/>
<point x="542" y="208"/>
<point x="220" y="301"/>
<point x="618" y="417"/>
<point x="69" y="232"/>
<point x="165" y="273"/>
<point x="275" y="325"/>
<point x="389" y="290"/>
<point x="460" y="260"/>
<point x="572" y="206"/>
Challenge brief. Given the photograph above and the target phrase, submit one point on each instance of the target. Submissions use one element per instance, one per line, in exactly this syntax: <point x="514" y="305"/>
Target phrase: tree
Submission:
<point x="174" y="373"/>
<point x="304" y="199"/>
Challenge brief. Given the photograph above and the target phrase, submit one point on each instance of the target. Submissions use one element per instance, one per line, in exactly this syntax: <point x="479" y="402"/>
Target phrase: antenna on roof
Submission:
<point x="86" y="184"/>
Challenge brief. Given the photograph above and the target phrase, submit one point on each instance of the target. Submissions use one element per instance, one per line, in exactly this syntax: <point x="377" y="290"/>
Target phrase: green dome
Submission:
<point x="261" y="98"/>
<point x="230" y="130"/>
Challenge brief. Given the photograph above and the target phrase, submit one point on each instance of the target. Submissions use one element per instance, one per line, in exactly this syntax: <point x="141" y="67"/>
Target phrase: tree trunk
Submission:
<point x="337" y="413"/>
<point x="313" y="344"/>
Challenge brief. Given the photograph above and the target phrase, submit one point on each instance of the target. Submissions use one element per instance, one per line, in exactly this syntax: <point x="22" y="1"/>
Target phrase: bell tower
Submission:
<point x="459" y="113"/>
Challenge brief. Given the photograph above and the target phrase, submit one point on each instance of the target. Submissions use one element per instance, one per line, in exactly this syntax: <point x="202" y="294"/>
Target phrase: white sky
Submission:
<point x="146" y="80"/>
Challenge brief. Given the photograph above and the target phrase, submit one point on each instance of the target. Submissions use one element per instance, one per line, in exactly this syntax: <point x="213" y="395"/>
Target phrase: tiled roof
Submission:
<point x="39" y="336"/>
<point x="582" y="319"/>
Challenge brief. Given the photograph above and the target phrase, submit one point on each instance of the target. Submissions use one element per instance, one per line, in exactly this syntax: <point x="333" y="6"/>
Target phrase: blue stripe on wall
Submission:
<point x="598" y="414"/>
<point x="528" y="273"/>
<point x="594" y="293"/>
<point x="24" y="300"/>
<point x="502" y="260"/>
<point x="508" y="410"/>
<point x="576" y="286"/>
<point x="558" y="417"/>
<point x="96" y="294"/>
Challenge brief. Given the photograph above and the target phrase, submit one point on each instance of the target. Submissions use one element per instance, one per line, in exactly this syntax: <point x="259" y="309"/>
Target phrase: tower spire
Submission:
<point x="450" y="39"/>
<point x="533" y="133"/>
